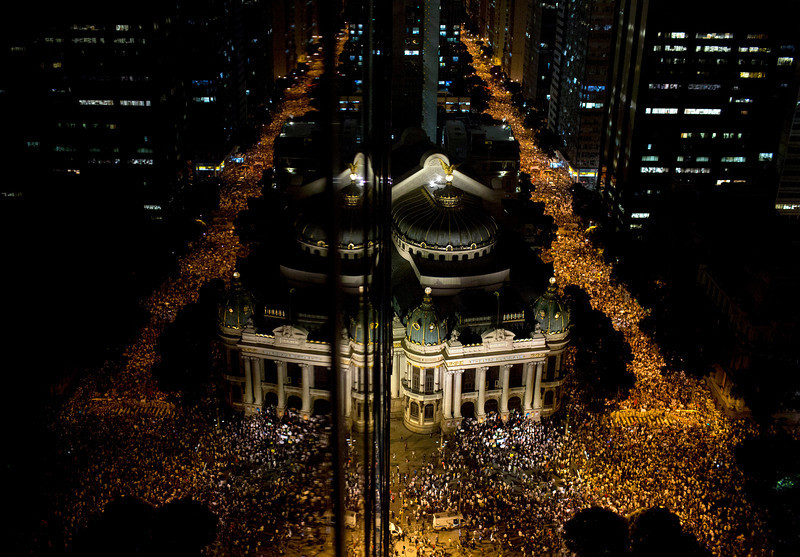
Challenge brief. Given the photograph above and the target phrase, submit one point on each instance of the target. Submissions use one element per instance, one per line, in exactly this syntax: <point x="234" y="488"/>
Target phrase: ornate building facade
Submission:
<point x="452" y="357"/>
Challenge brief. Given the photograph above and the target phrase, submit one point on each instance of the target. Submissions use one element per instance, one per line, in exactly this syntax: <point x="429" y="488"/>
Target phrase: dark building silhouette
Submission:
<point x="695" y="102"/>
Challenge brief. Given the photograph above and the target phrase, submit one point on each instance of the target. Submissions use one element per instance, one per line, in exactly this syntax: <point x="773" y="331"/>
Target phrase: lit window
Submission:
<point x="205" y="99"/>
<point x="733" y="159"/>
<point x="654" y="170"/>
<point x="650" y="158"/>
<point x="676" y="35"/>
<point x="711" y="36"/>
<point x="752" y="75"/>
<point x="765" y="157"/>
<point x="683" y="170"/>
<point x="704" y="87"/>
<point x="660" y="110"/>
<point x="716" y="48"/>
<point x="674" y="48"/>
<point x="411" y="52"/>
<point x="134" y="103"/>
<point x="664" y="86"/>
<point x="640" y="215"/>
<point x="703" y="111"/>
<point x="123" y="27"/>
<point x="701" y="159"/>
<point x="785" y="61"/>
<point x="95" y="102"/>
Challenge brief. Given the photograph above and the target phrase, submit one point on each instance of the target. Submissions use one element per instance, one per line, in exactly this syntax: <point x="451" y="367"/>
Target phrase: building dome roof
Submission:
<point x="446" y="219"/>
<point x="366" y="314"/>
<point x="239" y="306"/>
<point x="424" y="325"/>
<point x="312" y="222"/>
<point x="550" y="313"/>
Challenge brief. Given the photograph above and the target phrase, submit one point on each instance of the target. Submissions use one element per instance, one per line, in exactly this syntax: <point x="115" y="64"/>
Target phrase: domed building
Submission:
<point x="469" y="337"/>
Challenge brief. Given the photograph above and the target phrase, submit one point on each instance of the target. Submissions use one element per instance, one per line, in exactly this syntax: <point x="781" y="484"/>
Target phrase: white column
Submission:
<point x="258" y="392"/>
<point x="528" y="386"/>
<point x="396" y="372"/>
<point x="248" y="381"/>
<point x="306" y="384"/>
<point x="437" y="371"/>
<point x="457" y="394"/>
<point x="347" y="392"/>
<point x="537" y="392"/>
<point x="281" y="387"/>
<point x="504" y="373"/>
<point x="480" y="377"/>
<point x="447" y="411"/>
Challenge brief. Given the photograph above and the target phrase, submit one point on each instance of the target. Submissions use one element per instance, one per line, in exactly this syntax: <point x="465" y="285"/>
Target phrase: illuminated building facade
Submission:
<point x="578" y="89"/>
<point x="538" y="65"/>
<point x="94" y="100"/>
<point x="695" y="102"/>
<point x="472" y="343"/>
<point x="787" y="202"/>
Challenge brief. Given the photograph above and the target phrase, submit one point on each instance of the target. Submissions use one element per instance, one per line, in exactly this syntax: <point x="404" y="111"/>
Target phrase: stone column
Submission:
<point x="248" y="380"/>
<point x="447" y="396"/>
<point x="437" y="371"/>
<point x="258" y="392"/>
<point x="480" y="377"/>
<point x="305" y="411"/>
<point x="396" y="368"/>
<point x="504" y="373"/>
<point x="537" y="393"/>
<point x="281" y="387"/>
<point x="347" y="392"/>
<point x="457" y="394"/>
<point x="528" y="387"/>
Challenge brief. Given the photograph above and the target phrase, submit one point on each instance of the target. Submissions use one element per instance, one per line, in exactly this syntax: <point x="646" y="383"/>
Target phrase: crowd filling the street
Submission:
<point x="516" y="482"/>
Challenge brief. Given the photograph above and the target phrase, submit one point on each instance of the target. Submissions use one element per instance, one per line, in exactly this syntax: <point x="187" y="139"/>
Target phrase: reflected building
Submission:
<point x="467" y="339"/>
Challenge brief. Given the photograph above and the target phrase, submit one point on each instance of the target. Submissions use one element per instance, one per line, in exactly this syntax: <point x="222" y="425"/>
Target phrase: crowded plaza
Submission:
<point x="516" y="482"/>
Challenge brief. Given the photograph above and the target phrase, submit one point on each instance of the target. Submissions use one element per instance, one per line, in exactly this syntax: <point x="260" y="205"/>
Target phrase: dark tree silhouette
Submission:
<point x="131" y="527"/>
<point x="596" y="532"/>
<point x="657" y="532"/>
<point x="185" y="346"/>
<point x="602" y="355"/>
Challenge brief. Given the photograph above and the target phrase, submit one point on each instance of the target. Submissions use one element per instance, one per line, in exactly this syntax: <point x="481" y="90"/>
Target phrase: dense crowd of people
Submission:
<point x="268" y="478"/>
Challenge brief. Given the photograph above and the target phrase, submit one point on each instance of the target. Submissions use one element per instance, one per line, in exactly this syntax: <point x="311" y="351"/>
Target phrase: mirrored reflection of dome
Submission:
<point x="239" y="306"/>
<point x="424" y="325"/>
<point x="550" y="313"/>
<point x="448" y="219"/>
<point x="366" y="316"/>
<point x="313" y="221"/>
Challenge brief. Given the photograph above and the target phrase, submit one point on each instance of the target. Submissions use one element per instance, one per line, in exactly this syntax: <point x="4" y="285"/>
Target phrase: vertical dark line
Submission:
<point x="328" y="18"/>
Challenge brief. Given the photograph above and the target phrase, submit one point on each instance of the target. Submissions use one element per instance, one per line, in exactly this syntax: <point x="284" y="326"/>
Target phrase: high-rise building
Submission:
<point x="787" y="201"/>
<point x="213" y="37"/>
<point x="578" y="89"/>
<point x="93" y="102"/>
<point x="698" y="94"/>
<point x="538" y="66"/>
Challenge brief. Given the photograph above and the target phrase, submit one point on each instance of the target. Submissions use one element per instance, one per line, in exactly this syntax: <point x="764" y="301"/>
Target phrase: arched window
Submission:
<point x="548" y="399"/>
<point x="414" y="410"/>
<point x="429" y="412"/>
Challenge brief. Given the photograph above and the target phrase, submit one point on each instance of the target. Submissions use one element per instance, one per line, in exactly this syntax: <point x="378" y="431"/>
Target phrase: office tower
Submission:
<point x="94" y="103"/>
<point x="212" y="36"/>
<point x="695" y="102"/>
<point x="538" y="65"/>
<point x="578" y="89"/>
<point x="430" y="66"/>
<point x="787" y="201"/>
